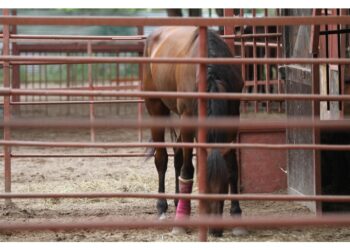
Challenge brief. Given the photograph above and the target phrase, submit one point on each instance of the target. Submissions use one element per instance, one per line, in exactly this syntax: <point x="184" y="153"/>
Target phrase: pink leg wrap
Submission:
<point x="183" y="209"/>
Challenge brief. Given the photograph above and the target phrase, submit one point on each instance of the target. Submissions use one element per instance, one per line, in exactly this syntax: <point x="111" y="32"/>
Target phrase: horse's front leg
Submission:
<point x="157" y="109"/>
<point x="161" y="162"/>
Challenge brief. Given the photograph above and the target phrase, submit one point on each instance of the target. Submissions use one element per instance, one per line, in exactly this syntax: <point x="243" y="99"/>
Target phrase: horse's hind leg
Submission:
<point x="156" y="108"/>
<point x="235" y="210"/>
<point x="232" y="165"/>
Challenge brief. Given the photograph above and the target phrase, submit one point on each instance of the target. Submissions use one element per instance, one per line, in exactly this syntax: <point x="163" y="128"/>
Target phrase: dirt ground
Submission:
<point x="68" y="175"/>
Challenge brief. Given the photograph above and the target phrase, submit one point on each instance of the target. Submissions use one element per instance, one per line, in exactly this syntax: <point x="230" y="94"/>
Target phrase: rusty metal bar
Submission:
<point x="87" y="60"/>
<point x="202" y="133"/>
<point x="245" y="197"/>
<point x="7" y="108"/>
<point x="170" y="21"/>
<point x="198" y="222"/>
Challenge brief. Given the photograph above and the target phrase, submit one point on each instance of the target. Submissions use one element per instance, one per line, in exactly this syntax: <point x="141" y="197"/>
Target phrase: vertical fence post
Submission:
<point x="315" y="35"/>
<point x="202" y="133"/>
<point x="7" y="111"/>
<point x="91" y="87"/>
<point x="229" y="30"/>
<point x="15" y="69"/>
<point x="140" y="31"/>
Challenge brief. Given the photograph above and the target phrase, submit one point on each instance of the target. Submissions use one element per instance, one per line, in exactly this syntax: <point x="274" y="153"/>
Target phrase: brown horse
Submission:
<point x="222" y="172"/>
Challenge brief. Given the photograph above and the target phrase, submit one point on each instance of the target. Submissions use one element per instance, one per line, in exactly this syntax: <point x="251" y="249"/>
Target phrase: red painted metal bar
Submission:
<point x="188" y="123"/>
<point x="87" y="60"/>
<point x="259" y="35"/>
<point x="171" y="21"/>
<point x="251" y="83"/>
<point x="243" y="55"/>
<point x="145" y="94"/>
<point x="123" y="155"/>
<point x="175" y="145"/>
<point x="229" y="32"/>
<point x="91" y="88"/>
<point x="198" y="222"/>
<point x="76" y="37"/>
<point x="316" y="136"/>
<point x="278" y="55"/>
<point x="242" y="197"/>
<point x="267" y="66"/>
<point x="140" y="31"/>
<point x="7" y="108"/>
<point x="76" y="102"/>
<point x="255" y="66"/>
<point x="77" y="47"/>
<point x="202" y="133"/>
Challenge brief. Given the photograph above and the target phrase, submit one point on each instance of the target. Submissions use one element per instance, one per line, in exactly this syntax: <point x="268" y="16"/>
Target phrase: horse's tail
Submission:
<point x="151" y="151"/>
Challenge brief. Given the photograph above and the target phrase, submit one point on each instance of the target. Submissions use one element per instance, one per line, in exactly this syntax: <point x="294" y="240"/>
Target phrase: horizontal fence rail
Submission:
<point x="173" y="21"/>
<point x="161" y="94"/>
<point x="132" y="223"/>
<point x="257" y="197"/>
<point x="219" y="123"/>
<point x="198" y="60"/>
<point x="175" y="145"/>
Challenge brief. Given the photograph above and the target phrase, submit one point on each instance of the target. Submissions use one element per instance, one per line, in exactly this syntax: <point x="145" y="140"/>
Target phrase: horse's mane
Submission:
<point x="221" y="78"/>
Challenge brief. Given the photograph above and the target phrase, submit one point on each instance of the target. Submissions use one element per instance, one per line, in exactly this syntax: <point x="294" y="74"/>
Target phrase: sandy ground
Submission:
<point x="68" y="175"/>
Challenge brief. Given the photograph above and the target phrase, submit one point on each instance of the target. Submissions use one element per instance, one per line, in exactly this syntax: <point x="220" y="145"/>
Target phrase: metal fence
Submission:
<point x="201" y="222"/>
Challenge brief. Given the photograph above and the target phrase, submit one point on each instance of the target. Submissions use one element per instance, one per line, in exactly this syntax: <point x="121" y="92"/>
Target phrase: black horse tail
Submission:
<point x="151" y="151"/>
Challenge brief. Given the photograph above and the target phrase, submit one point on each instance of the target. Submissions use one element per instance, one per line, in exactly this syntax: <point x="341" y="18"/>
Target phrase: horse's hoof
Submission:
<point x="239" y="231"/>
<point x="178" y="231"/>
<point x="162" y="216"/>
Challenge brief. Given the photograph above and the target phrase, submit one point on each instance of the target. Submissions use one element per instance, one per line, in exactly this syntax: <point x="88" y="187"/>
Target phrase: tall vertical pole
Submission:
<point x="7" y="111"/>
<point x="15" y="69"/>
<point x="315" y="35"/>
<point x="202" y="133"/>
<point x="91" y="87"/>
<point x="229" y="30"/>
<point x="245" y="104"/>
<point x="140" y="31"/>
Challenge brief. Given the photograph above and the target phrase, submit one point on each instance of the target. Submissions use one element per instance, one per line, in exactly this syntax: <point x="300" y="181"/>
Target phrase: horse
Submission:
<point x="222" y="167"/>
